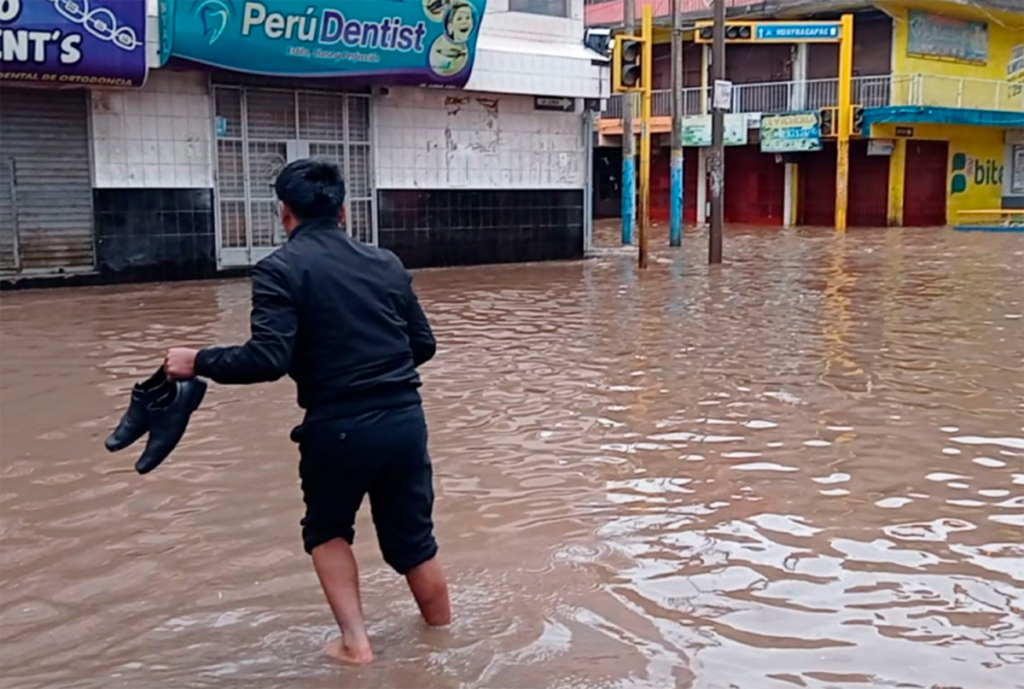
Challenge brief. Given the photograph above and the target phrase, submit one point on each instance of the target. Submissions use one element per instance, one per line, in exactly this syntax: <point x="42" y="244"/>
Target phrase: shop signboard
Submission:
<point x="697" y="130"/>
<point x="949" y="38"/>
<point x="413" y="42"/>
<point x="791" y="132"/>
<point x="66" y="42"/>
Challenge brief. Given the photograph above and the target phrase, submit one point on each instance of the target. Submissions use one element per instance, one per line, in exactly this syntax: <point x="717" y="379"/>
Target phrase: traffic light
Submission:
<point x="858" y="121"/>
<point x="827" y="125"/>
<point x="627" y="64"/>
<point x="735" y="32"/>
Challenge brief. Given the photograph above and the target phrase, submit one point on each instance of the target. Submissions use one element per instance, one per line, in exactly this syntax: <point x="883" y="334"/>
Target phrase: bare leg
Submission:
<point x="426" y="581"/>
<point x="339" y="576"/>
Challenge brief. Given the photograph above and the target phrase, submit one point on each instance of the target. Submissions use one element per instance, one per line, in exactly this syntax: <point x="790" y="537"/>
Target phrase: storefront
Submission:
<point x="46" y="191"/>
<point x="259" y="130"/>
<point x="452" y="154"/>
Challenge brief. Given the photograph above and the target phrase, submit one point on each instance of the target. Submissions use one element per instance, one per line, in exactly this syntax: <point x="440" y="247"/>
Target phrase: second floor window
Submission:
<point x="552" y="8"/>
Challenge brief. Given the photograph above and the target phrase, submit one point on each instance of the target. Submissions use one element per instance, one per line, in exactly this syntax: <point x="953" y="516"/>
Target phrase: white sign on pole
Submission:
<point x="723" y="95"/>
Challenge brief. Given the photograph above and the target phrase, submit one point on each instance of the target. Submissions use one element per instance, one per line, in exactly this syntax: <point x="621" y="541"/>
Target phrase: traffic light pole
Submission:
<point x="675" y="233"/>
<point x="646" y="65"/>
<point x="845" y="115"/>
<point x="717" y="172"/>
<point x="628" y="145"/>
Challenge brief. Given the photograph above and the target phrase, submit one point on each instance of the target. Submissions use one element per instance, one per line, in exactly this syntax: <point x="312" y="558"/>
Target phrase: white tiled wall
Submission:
<point x="159" y="136"/>
<point x="434" y="140"/>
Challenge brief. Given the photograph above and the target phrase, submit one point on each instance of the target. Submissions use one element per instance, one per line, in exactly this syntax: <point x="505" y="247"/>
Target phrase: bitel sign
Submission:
<point x="414" y="42"/>
<point x="69" y="42"/>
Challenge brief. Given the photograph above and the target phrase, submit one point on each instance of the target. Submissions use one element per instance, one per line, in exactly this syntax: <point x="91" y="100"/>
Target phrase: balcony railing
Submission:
<point x="611" y="12"/>
<point x="956" y="92"/>
<point x="868" y="91"/>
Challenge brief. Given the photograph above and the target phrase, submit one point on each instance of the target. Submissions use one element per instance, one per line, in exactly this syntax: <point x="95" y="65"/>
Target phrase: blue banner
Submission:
<point x="415" y="42"/>
<point x="62" y="42"/>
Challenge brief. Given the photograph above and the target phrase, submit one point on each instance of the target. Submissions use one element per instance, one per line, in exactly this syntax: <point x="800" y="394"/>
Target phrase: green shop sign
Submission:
<point x="414" y="42"/>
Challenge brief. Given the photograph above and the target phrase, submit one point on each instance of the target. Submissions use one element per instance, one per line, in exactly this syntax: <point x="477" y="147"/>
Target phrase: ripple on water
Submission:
<point x="1012" y="443"/>
<point x="936" y="530"/>
<point x="764" y="466"/>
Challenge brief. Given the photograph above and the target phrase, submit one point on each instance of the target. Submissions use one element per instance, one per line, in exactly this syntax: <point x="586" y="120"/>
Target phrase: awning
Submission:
<point x="922" y="114"/>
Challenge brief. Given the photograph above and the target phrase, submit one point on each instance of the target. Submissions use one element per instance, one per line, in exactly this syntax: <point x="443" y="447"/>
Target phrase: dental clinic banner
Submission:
<point x="413" y="42"/>
<point x="66" y="42"/>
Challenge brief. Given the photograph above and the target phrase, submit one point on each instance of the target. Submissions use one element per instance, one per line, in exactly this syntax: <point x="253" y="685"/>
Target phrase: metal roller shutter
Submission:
<point x="8" y="247"/>
<point x="46" y="218"/>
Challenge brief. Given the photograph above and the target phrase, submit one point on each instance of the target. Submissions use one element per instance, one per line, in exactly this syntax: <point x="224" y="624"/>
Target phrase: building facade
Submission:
<point x="488" y="162"/>
<point x="940" y="85"/>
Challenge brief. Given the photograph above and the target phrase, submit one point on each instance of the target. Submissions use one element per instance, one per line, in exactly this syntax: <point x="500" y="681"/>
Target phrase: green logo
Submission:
<point x="968" y="169"/>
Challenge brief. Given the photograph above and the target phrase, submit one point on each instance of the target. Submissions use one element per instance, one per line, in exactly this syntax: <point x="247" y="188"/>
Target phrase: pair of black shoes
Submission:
<point x="162" y="408"/>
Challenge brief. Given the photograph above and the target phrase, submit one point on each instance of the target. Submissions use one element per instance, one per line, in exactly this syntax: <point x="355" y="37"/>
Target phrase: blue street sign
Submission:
<point x="799" y="31"/>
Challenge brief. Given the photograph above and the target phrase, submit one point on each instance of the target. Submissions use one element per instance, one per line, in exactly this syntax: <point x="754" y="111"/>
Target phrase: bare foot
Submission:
<point x="337" y="650"/>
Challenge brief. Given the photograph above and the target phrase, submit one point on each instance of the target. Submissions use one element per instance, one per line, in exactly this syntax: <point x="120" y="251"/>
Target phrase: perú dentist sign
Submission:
<point x="382" y="41"/>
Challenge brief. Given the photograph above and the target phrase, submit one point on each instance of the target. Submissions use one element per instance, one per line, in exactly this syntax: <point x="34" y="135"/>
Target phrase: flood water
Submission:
<point x="802" y="469"/>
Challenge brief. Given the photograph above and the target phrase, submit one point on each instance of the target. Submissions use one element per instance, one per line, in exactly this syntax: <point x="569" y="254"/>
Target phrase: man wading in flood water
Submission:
<point x="341" y="319"/>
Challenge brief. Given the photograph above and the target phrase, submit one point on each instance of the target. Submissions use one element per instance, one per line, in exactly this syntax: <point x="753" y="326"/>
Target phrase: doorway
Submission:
<point x="924" y="186"/>
<point x="259" y="131"/>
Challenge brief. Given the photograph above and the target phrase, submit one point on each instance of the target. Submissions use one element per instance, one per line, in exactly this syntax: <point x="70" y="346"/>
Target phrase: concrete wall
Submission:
<point x="428" y="139"/>
<point x="534" y="54"/>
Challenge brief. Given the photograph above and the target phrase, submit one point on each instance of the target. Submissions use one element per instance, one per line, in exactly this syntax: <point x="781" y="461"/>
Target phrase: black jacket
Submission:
<point x="339" y="317"/>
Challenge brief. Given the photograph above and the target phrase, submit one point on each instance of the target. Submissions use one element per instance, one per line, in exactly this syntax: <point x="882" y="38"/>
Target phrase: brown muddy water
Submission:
<point x="802" y="469"/>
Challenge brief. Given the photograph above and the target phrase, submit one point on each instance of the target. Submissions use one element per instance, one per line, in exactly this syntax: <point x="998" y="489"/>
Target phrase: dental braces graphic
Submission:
<point x="99" y="22"/>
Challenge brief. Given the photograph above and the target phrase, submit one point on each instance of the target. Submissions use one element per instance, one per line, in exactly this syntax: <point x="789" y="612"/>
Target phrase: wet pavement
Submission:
<point x="802" y="469"/>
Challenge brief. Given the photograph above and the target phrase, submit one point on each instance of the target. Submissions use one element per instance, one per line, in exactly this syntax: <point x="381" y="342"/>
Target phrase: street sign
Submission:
<point x="554" y="104"/>
<point x="723" y="95"/>
<point x="799" y="32"/>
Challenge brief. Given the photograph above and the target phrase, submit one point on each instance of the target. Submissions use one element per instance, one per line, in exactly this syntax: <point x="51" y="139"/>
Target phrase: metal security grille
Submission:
<point x="260" y="130"/>
<point x="46" y="218"/>
<point x="10" y="254"/>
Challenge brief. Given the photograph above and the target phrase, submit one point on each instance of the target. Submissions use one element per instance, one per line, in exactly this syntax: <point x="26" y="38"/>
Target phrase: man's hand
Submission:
<point x="180" y="363"/>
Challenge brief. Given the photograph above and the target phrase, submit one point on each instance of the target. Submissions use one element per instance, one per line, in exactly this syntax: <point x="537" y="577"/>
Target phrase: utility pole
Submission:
<point x="675" y="235"/>
<point x="628" y="143"/>
<point x="646" y="67"/>
<point x="845" y="115"/>
<point x="717" y="140"/>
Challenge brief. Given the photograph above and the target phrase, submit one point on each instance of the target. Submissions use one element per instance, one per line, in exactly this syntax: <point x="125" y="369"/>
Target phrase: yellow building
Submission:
<point x="957" y="80"/>
<point x="940" y="85"/>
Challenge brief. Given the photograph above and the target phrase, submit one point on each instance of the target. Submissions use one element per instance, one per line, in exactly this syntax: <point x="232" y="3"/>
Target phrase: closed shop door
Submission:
<point x="754" y="186"/>
<point x="691" y="166"/>
<point x="259" y="131"/>
<point x="817" y="188"/>
<point x="46" y="218"/>
<point x="869" y="187"/>
<point x="924" y="187"/>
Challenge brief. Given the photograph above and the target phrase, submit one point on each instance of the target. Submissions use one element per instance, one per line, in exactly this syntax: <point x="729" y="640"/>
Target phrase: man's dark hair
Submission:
<point x="313" y="189"/>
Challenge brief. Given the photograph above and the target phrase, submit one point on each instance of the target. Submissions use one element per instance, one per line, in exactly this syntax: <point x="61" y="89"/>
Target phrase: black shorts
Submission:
<point x="382" y="453"/>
